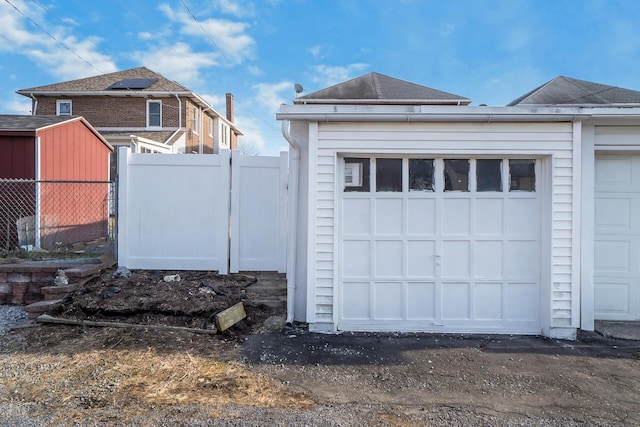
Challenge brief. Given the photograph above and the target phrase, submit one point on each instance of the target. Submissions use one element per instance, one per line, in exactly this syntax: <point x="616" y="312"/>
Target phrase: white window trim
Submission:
<point x="59" y="102"/>
<point x="195" y="125"/>
<point x="211" y="126"/>
<point x="154" y="101"/>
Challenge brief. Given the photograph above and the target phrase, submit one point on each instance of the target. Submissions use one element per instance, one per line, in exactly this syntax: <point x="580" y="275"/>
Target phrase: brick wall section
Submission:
<point x="22" y="283"/>
<point x="192" y="139"/>
<point x="117" y="111"/>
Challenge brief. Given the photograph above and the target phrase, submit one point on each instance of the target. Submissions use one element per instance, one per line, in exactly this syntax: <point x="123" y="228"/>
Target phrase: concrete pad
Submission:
<point x="618" y="329"/>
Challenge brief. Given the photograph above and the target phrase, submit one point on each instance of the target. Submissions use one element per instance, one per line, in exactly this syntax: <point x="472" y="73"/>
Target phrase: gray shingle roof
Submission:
<point x="381" y="89"/>
<point x="15" y="122"/>
<point x="568" y="91"/>
<point x="104" y="81"/>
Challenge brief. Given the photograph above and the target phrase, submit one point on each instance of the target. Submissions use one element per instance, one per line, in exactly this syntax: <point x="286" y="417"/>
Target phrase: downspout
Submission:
<point x="134" y="143"/>
<point x="200" y="143"/>
<point x="179" y="111"/>
<point x="34" y="105"/>
<point x="294" y="176"/>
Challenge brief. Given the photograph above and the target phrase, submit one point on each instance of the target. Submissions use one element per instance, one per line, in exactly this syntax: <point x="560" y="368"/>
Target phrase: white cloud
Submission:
<point x="232" y="7"/>
<point x="229" y="37"/>
<point x="218" y="102"/>
<point x="65" y="56"/>
<point x="273" y="95"/>
<point x="253" y="136"/>
<point x="254" y="70"/>
<point x="17" y="104"/>
<point x="325" y="75"/>
<point x="317" y="51"/>
<point x="177" y="62"/>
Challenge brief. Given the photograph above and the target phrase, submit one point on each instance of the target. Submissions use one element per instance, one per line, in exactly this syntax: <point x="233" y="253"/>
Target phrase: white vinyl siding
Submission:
<point x="550" y="142"/>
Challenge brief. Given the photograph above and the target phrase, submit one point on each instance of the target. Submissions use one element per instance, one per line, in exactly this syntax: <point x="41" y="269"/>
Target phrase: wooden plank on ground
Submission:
<point x="45" y="318"/>
<point x="229" y="317"/>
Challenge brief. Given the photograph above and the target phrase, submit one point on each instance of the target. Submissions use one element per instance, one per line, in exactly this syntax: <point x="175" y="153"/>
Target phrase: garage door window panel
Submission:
<point x="489" y="175"/>
<point x="456" y="175"/>
<point x="522" y="175"/>
<point x="356" y="174"/>
<point x="388" y="175"/>
<point x="421" y="174"/>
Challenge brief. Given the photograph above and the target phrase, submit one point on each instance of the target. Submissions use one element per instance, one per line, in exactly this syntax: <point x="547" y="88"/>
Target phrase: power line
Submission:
<point x="65" y="23"/>
<point x="53" y="37"/>
<point x="203" y="31"/>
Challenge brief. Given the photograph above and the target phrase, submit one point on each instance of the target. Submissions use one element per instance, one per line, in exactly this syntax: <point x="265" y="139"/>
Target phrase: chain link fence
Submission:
<point x="56" y="215"/>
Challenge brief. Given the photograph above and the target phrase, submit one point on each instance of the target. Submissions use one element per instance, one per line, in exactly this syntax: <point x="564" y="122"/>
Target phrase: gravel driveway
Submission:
<point x="292" y="377"/>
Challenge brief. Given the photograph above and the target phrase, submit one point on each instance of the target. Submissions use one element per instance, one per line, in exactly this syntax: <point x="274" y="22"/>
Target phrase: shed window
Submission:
<point x="356" y="174"/>
<point x="522" y="175"/>
<point x="388" y="175"/>
<point x="154" y="114"/>
<point x="421" y="174"/>
<point x="456" y="175"/>
<point x="63" y="107"/>
<point x="489" y="175"/>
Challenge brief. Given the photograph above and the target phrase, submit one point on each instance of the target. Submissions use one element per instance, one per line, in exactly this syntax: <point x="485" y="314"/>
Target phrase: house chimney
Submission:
<point x="230" y="107"/>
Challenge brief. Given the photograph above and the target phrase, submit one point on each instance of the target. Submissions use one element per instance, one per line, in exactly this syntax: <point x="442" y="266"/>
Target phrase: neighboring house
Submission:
<point x="413" y="211"/>
<point x="35" y="150"/>
<point x="141" y="109"/>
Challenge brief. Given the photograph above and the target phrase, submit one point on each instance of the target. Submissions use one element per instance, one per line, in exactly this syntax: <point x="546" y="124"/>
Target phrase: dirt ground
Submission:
<point x="253" y="376"/>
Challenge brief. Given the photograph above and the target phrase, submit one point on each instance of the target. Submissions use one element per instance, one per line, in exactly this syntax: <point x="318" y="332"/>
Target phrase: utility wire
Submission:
<point x="203" y="31"/>
<point x="65" y="23"/>
<point x="53" y="37"/>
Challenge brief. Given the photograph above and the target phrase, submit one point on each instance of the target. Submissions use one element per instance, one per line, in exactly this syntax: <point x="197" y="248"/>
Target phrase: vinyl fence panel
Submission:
<point x="173" y="211"/>
<point x="258" y="213"/>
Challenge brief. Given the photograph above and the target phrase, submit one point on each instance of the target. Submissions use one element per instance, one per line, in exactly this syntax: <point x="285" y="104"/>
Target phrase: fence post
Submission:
<point x="37" y="223"/>
<point x="122" y="253"/>
<point x="223" y="236"/>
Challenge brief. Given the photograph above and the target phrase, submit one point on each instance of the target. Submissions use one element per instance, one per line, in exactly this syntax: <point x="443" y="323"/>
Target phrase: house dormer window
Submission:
<point x="63" y="107"/>
<point x="154" y="114"/>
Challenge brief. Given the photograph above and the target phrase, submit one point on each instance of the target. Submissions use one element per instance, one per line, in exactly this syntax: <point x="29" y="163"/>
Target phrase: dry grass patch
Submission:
<point x="134" y="380"/>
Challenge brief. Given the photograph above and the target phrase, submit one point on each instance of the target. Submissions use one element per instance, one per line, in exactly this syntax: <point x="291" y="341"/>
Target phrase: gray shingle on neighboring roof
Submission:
<point x="104" y="81"/>
<point x="28" y="122"/>
<point x="381" y="89"/>
<point x="569" y="91"/>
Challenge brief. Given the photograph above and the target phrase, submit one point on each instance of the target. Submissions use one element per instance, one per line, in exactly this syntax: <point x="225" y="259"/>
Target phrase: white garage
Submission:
<point x="414" y="211"/>
<point x="440" y="244"/>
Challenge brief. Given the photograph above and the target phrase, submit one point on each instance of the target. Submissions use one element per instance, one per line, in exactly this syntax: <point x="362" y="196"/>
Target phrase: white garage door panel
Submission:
<point x="440" y="261"/>
<point x="617" y="238"/>
<point x="421" y="301"/>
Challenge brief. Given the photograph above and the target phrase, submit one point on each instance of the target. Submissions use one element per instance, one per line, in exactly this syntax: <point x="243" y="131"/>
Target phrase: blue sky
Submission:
<point x="489" y="51"/>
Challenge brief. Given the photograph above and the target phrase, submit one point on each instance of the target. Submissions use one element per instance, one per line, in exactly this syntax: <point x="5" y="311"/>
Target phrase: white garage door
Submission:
<point x="449" y="245"/>
<point x="617" y="238"/>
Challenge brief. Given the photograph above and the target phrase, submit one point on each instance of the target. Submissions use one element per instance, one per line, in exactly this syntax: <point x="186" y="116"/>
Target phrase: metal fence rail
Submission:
<point x="54" y="215"/>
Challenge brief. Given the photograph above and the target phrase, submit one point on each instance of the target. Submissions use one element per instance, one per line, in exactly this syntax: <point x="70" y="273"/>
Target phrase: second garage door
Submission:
<point x="617" y="237"/>
<point x="440" y="244"/>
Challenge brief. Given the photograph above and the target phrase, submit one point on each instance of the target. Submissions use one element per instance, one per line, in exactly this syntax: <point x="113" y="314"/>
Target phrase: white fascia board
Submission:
<point x="457" y="102"/>
<point x="151" y="142"/>
<point x="428" y="113"/>
<point x="111" y="93"/>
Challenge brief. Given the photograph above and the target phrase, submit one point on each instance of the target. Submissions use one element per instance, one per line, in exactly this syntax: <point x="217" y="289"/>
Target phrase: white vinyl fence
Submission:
<point x="224" y="212"/>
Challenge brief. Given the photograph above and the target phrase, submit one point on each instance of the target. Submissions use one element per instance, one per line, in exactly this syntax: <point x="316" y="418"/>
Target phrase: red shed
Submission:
<point x="54" y="173"/>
